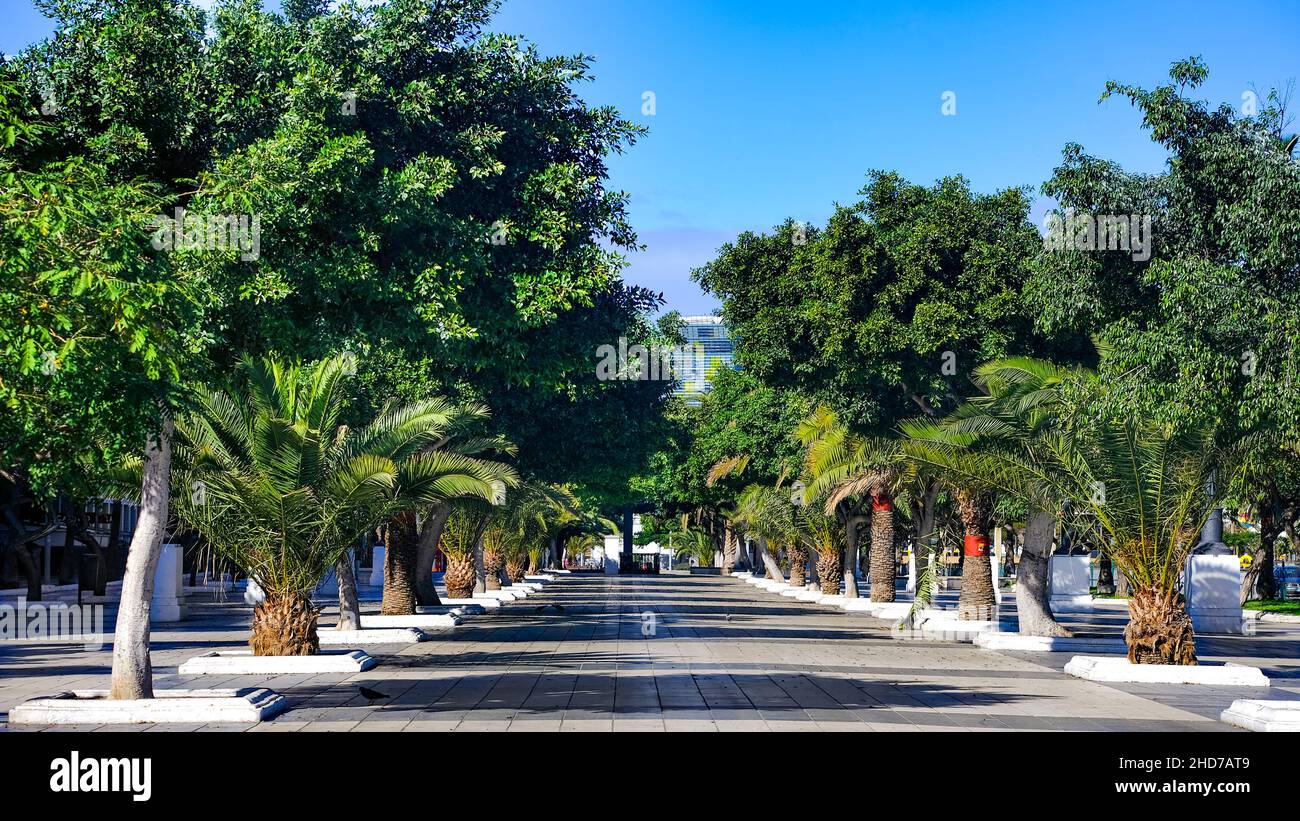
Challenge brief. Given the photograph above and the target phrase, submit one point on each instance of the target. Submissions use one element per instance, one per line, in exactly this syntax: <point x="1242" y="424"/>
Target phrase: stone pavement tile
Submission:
<point x="549" y="725"/>
<point x="689" y="725"/>
<point x="638" y="725"/>
<point x="581" y="725"/>
<point x="381" y="725"/>
<point x="428" y="726"/>
<point x="279" y="725"/>
<point x="792" y="726"/>
<point x="477" y="725"/>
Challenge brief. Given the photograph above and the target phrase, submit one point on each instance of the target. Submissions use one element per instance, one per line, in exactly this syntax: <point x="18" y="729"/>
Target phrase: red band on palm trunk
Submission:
<point x="882" y="503"/>
<point x="977" y="546"/>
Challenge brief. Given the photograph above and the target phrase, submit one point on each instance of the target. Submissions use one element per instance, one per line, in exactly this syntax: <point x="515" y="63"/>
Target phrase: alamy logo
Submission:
<point x="652" y="362"/>
<point x="1068" y="231"/>
<point x="128" y="775"/>
<point x="209" y="232"/>
<point x="55" y="622"/>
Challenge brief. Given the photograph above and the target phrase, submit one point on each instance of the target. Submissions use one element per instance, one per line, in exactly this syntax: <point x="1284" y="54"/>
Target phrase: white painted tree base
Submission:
<point x="502" y="596"/>
<point x="244" y="663"/>
<point x="1263" y="716"/>
<point x="792" y="592"/>
<point x="857" y="605"/>
<point x="247" y="706"/>
<point x="418" y="621"/>
<point x="544" y="577"/>
<point x="1110" y="668"/>
<point x="831" y="600"/>
<point x="484" y="603"/>
<point x="1049" y="644"/>
<point x="345" y="638"/>
<point x="462" y="610"/>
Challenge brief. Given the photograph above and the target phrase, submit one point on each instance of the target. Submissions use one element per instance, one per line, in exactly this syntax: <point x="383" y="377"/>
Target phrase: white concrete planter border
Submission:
<point x="1110" y="668"/>
<point x="483" y="603"/>
<point x="418" y="621"/>
<point x="1263" y="716"/>
<point x="246" y="706"/>
<point x="499" y="595"/>
<point x="244" y="663"/>
<point x="1049" y="644"/>
<point x="346" y="638"/>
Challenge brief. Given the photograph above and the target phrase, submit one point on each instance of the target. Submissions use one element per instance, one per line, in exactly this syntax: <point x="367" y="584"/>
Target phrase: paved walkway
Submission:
<point x="673" y="653"/>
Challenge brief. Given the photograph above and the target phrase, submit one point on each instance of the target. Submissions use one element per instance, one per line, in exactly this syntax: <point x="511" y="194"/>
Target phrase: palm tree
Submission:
<point x="695" y="543"/>
<point x="277" y="486"/>
<point x="408" y="559"/>
<point x="1142" y="484"/>
<point x="461" y="534"/>
<point x="823" y="534"/>
<point x="1007" y="436"/>
<point x="767" y="514"/>
<point x="844" y="467"/>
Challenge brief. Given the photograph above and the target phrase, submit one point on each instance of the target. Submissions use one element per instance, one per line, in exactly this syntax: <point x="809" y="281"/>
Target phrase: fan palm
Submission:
<point x="695" y="543"/>
<point x="767" y="514"/>
<point x="465" y="527"/>
<point x="845" y="466"/>
<point x="280" y="488"/>
<point x="1142" y="484"/>
<point x="1007" y="434"/>
<point x="408" y="560"/>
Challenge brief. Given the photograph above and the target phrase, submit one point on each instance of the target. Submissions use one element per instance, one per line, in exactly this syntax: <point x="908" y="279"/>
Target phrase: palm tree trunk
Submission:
<point x="492" y="563"/>
<point x="1032" y="604"/>
<point x="459" y="578"/>
<point x="850" y="571"/>
<point x="1159" y="630"/>
<point x="132" y="672"/>
<point x="976" y="600"/>
<point x="828" y="571"/>
<point x="923" y="514"/>
<point x="770" y="563"/>
<point x="797" y="556"/>
<point x="516" y="568"/>
<point x="284" y="624"/>
<point x="425" y="590"/>
<point x="884" y="567"/>
<point x="399" y="566"/>
<point x="349" y="606"/>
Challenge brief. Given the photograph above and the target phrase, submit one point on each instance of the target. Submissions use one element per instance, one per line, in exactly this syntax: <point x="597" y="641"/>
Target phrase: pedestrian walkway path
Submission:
<point x="671" y="652"/>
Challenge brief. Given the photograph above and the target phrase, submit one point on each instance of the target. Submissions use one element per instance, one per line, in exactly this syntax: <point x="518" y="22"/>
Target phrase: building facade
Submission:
<point x="710" y="347"/>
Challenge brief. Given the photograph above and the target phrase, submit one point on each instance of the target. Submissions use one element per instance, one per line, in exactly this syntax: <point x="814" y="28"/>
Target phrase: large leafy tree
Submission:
<point x="1207" y="330"/>
<point x="429" y="196"/>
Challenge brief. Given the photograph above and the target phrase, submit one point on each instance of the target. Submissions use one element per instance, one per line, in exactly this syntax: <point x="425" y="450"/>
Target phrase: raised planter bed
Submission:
<point x="243" y="662"/>
<point x="1120" y="669"/>
<point x="1263" y="716"/>
<point x="245" y="706"/>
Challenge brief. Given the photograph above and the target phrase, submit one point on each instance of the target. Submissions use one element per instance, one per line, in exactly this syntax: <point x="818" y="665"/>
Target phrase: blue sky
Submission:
<point x="766" y="110"/>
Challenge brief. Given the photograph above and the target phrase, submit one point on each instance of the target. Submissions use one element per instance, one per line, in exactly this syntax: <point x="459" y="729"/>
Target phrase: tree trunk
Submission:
<point x="132" y="672"/>
<point x="884" y="566"/>
<point x="492" y="563"/>
<point x="284" y="624"/>
<point x="425" y="590"/>
<point x="828" y="571"/>
<point x="850" y="571"/>
<point x="68" y="558"/>
<point x="797" y="556"/>
<point x="399" y="566"/>
<point x="516" y="569"/>
<point x="976" y="601"/>
<point x="769" y="563"/>
<point x="1259" y="578"/>
<point x="1032" y="604"/>
<point x="924" y="516"/>
<point x="113" y="550"/>
<point x="349" y="606"/>
<point x="1159" y="630"/>
<point x="459" y="578"/>
<point x="480" y="568"/>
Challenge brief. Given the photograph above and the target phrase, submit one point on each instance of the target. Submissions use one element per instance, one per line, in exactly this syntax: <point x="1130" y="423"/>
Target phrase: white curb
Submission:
<point x="244" y="663"/>
<point x="1110" y="668"/>
<point x="246" y="706"/>
<point x="1049" y="644"/>
<point x="1263" y="716"/>
<point x="399" y="635"/>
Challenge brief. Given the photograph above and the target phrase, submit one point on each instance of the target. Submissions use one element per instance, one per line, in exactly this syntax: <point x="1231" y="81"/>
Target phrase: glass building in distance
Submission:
<point x="709" y="344"/>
